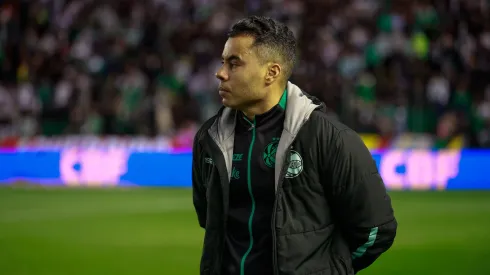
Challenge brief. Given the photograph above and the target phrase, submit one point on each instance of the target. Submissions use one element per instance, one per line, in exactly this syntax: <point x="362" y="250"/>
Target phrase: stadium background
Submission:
<point x="110" y="93"/>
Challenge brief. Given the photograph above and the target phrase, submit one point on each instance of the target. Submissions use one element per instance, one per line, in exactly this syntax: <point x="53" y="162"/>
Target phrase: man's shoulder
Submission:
<point x="205" y="127"/>
<point x="324" y="121"/>
<point x="332" y="130"/>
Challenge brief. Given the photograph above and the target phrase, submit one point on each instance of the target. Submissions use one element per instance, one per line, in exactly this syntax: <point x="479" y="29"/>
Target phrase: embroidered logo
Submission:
<point x="295" y="165"/>
<point x="269" y="154"/>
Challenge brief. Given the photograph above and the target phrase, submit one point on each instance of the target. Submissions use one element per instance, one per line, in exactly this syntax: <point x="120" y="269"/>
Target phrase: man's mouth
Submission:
<point x="223" y="90"/>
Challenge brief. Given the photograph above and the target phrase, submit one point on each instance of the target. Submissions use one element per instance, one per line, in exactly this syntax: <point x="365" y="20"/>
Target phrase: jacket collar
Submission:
<point x="298" y="109"/>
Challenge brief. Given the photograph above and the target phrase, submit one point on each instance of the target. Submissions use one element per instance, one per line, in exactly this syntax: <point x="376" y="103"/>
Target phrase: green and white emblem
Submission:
<point x="269" y="154"/>
<point x="295" y="165"/>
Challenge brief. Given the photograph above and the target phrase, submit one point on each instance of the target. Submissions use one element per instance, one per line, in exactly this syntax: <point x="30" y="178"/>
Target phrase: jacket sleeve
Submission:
<point x="198" y="188"/>
<point x="359" y="200"/>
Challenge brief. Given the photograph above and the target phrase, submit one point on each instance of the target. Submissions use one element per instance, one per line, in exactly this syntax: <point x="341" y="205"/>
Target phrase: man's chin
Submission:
<point x="228" y="103"/>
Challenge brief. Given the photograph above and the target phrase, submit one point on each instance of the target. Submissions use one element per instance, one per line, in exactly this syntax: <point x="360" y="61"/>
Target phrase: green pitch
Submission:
<point x="154" y="231"/>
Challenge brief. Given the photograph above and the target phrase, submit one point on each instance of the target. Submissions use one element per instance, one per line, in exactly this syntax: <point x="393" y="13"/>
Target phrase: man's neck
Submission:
<point x="265" y="105"/>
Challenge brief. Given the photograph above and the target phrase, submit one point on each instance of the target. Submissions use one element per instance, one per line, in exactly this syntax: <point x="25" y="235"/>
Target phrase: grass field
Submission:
<point x="154" y="231"/>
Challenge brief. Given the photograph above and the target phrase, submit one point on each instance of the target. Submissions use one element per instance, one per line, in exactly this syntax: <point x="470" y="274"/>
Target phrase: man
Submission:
<point x="279" y="187"/>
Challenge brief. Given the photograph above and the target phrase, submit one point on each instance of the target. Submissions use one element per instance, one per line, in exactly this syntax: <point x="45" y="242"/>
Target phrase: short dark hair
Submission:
<point x="276" y="38"/>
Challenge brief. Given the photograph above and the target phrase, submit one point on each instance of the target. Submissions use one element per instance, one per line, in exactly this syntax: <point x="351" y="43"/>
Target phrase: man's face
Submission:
<point x="242" y="75"/>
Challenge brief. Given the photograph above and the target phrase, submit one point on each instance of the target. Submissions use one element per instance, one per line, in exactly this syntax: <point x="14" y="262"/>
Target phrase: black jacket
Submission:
<point x="331" y="214"/>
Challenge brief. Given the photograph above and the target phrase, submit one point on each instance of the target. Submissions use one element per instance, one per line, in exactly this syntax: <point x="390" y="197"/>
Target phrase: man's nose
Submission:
<point x="221" y="74"/>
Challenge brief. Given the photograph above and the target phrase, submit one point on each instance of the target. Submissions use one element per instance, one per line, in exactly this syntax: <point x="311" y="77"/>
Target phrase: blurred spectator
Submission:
<point x="146" y="67"/>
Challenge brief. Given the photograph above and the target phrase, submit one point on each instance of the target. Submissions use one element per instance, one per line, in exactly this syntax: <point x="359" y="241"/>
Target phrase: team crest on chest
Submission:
<point x="295" y="165"/>
<point x="269" y="154"/>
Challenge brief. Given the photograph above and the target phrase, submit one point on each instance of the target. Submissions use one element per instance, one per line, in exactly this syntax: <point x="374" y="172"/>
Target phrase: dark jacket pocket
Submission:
<point x="340" y="255"/>
<point x="304" y="253"/>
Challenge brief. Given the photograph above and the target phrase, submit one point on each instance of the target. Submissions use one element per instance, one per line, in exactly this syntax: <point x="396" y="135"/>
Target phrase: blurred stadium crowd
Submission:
<point x="390" y="69"/>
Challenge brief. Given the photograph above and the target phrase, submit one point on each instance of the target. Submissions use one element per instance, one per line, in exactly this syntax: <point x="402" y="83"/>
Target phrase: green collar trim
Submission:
<point x="284" y="99"/>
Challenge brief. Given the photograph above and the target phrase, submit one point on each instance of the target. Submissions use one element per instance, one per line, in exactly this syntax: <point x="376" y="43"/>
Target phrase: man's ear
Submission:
<point x="273" y="73"/>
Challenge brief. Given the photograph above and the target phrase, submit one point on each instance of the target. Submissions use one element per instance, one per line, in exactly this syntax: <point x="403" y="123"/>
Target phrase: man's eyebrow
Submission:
<point x="231" y="58"/>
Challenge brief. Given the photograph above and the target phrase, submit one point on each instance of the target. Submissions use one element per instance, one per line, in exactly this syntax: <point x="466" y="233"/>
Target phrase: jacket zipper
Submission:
<point x="274" y="214"/>
<point x="252" y="211"/>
